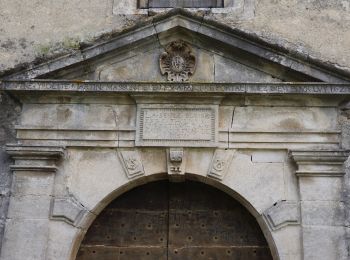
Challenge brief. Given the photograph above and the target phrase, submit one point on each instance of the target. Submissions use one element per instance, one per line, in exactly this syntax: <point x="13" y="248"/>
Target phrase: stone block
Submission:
<point x="245" y="178"/>
<point x="227" y="70"/>
<point x="284" y="119"/>
<point x="283" y="213"/>
<point x="67" y="209"/>
<point x="288" y="240"/>
<point x="25" y="238"/>
<point x="61" y="240"/>
<point x="291" y="181"/>
<point x="33" y="183"/>
<point x="78" y="116"/>
<point x="267" y="139"/>
<point x="324" y="243"/>
<point x="320" y="188"/>
<point x="323" y="213"/>
<point x="94" y="175"/>
<point x="29" y="207"/>
<point x="205" y="67"/>
<point x="269" y="156"/>
<point x="225" y="117"/>
<point x="198" y="161"/>
<point x="140" y="67"/>
<point x="346" y="135"/>
<point x="154" y="160"/>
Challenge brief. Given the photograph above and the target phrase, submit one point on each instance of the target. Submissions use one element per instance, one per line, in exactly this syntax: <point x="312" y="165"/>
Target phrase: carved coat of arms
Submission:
<point x="178" y="61"/>
<point x="132" y="163"/>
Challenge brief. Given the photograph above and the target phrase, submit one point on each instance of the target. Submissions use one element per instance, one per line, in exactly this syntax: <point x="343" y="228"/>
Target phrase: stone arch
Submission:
<point x="88" y="219"/>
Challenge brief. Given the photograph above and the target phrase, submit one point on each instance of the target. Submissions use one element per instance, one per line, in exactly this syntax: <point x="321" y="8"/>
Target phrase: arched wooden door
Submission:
<point x="164" y="220"/>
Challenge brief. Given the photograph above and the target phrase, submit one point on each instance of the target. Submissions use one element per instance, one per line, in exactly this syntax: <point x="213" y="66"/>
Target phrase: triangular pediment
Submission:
<point x="222" y="54"/>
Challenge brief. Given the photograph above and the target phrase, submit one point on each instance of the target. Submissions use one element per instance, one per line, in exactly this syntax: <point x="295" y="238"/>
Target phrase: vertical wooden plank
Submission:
<point x="205" y="223"/>
<point x="134" y="226"/>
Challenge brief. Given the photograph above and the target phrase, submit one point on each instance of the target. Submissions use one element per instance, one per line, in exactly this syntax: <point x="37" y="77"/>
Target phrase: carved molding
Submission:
<point x="282" y="213"/>
<point x="35" y="158"/>
<point x="220" y="163"/>
<point x="67" y="209"/>
<point x="176" y="163"/>
<point x="132" y="163"/>
<point x="318" y="163"/>
<point x="177" y="62"/>
<point x="168" y="87"/>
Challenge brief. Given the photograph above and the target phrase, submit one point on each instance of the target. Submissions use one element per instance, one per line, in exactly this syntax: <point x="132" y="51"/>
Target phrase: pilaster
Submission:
<point x="320" y="176"/>
<point x="30" y="200"/>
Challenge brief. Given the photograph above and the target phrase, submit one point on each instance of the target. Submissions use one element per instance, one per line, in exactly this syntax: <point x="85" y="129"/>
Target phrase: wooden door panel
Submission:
<point x="120" y="253"/>
<point x="134" y="226"/>
<point x="128" y="228"/>
<point x="219" y="253"/>
<point x="205" y="223"/>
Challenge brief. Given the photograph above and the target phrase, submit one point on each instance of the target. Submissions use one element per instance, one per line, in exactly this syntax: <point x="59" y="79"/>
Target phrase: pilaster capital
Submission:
<point x="318" y="163"/>
<point x="34" y="158"/>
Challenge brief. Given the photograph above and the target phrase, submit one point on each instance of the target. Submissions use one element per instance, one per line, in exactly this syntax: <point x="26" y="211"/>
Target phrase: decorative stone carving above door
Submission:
<point x="178" y="62"/>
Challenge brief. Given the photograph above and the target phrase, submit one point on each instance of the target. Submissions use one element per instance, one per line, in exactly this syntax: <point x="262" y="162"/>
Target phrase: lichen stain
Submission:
<point x="63" y="114"/>
<point x="71" y="43"/>
<point x="8" y="44"/>
<point x="121" y="71"/>
<point x="291" y="123"/>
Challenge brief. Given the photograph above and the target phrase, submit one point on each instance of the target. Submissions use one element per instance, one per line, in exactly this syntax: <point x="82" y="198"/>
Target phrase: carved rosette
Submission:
<point x="178" y="61"/>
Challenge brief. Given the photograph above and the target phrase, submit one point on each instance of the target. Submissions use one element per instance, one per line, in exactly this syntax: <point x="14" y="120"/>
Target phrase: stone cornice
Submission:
<point x="31" y="168"/>
<point x="313" y="163"/>
<point x="18" y="152"/>
<point x="168" y="87"/>
<point x="34" y="158"/>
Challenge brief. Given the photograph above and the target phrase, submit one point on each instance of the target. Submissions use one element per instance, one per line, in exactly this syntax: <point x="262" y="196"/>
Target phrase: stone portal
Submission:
<point x="179" y="97"/>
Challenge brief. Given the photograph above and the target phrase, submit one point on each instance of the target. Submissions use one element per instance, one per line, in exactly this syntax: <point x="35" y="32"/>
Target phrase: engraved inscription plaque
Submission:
<point x="177" y="125"/>
<point x="181" y="3"/>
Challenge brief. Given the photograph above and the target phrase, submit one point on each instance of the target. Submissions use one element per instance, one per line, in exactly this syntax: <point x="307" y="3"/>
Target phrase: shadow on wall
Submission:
<point x="9" y="113"/>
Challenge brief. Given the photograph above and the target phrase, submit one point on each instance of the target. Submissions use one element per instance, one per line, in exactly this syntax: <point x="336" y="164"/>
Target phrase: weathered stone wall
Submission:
<point x="345" y="123"/>
<point x="9" y="111"/>
<point x="37" y="29"/>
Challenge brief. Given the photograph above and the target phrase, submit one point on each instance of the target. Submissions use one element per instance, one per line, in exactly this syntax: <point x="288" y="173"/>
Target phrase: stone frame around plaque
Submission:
<point x="144" y="4"/>
<point x="157" y="117"/>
